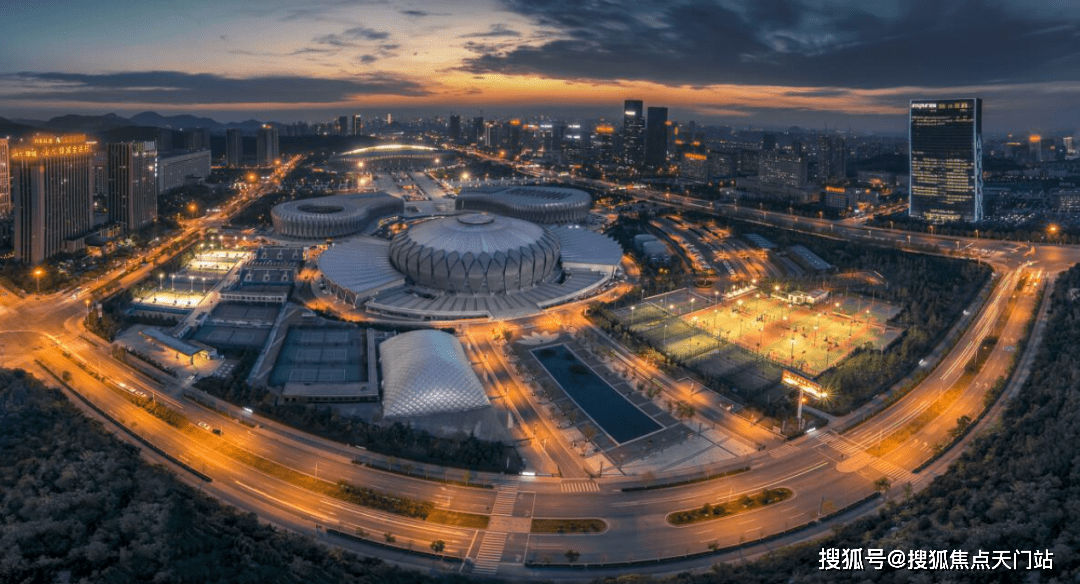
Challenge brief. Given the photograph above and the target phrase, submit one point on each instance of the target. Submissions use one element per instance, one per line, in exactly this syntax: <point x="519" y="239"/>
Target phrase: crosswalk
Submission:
<point x="892" y="471"/>
<point x="505" y="500"/>
<point x="580" y="487"/>
<point x="490" y="553"/>
<point x="783" y="451"/>
<point x="839" y="444"/>
<point x="849" y="448"/>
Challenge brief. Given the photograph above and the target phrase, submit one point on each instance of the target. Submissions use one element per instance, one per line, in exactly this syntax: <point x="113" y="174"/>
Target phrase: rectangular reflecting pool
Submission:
<point x="619" y="418"/>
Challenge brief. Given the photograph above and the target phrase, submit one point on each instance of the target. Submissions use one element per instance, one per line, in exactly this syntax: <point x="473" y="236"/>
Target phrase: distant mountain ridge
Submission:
<point x="101" y="123"/>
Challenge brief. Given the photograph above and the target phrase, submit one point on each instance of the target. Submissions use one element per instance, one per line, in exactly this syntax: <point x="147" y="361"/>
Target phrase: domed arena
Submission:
<point x="477" y="254"/>
<point x="469" y="266"/>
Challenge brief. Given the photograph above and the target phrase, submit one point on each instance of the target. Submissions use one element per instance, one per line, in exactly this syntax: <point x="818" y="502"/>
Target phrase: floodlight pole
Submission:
<point x="798" y="415"/>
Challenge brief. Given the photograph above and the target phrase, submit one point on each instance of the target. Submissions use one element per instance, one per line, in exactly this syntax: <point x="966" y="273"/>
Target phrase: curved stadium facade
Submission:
<point x="540" y="204"/>
<point x="335" y="216"/>
<point x="393" y="157"/>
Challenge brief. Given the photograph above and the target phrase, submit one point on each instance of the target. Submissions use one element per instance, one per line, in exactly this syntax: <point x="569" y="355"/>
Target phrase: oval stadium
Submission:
<point x="539" y="204"/>
<point x="334" y="216"/>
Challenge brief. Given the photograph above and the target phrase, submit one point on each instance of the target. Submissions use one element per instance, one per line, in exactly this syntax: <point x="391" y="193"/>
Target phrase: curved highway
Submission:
<point x="827" y="470"/>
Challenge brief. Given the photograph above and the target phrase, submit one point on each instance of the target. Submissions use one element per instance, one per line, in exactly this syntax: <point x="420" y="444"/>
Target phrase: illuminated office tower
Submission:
<point x="656" y="137"/>
<point x="5" y="179"/>
<point x="234" y="147"/>
<point x="603" y="143"/>
<point x="53" y="195"/>
<point x="633" y="134"/>
<point x="266" y="146"/>
<point x="131" y="172"/>
<point x="357" y="124"/>
<point x="945" y="138"/>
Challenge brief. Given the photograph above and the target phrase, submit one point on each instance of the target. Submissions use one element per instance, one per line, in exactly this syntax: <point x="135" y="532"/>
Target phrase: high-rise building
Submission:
<point x="573" y="143"/>
<point x="768" y="142"/>
<point x="266" y="146"/>
<point x="163" y="137"/>
<point x="945" y="138"/>
<point x="131" y="171"/>
<point x="5" y="179"/>
<point x="633" y="135"/>
<point x="357" y="124"/>
<point x="785" y="170"/>
<point x="656" y="137"/>
<point x="53" y="195"/>
<point x="177" y="168"/>
<point x="234" y="147"/>
<point x="832" y="158"/>
<point x="455" y="128"/>
<point x="603" y="143"/>
<point x="476" y="134"/>
<point x="197" y="139"/>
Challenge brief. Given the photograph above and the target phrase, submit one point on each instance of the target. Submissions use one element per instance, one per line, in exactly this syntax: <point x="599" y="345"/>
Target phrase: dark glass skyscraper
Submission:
<point x="945" y="138"/>
<point x="656" y="131"/>
<point x="234" y="147"/>
<point x="455" y="128"/>
<point x="131" y="174"/>
<point x="266" y="146"/>
<point x="633" y="135"/>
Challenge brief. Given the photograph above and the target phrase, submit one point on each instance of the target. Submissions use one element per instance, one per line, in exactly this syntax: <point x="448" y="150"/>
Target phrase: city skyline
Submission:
<point x="770" y="64"/>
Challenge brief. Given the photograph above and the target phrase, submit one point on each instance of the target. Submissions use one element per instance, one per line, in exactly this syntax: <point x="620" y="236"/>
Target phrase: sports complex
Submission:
<point x="767" y="330"/>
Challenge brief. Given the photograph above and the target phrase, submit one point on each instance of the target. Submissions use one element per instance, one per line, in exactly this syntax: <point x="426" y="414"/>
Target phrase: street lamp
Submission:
<point x="191" y="283"/>
<point x="173" y="278"/>
<point x="632" y="310"/>
<point x="38" y="273"/>
<point x="160" y="280"/>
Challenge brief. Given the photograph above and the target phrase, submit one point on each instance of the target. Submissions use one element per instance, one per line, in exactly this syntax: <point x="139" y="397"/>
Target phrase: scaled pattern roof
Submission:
<point x="426" y="372"/>
<point x="542" y="204"/>
<point x="476" y="233"/>
<point x="476" y="254"/>
<point x="582" y="246"/>
<point x="360" y="264"/>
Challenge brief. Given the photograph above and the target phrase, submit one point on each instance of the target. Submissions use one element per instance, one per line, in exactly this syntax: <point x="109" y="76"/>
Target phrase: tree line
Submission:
<point x="79" y="506"/>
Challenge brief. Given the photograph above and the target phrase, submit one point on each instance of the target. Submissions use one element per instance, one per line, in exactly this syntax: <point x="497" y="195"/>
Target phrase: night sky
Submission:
<point x="758" y="62"/>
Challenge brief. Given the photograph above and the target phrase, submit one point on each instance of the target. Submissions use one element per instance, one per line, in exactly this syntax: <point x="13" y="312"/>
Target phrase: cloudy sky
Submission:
<point x="743" y="62"/>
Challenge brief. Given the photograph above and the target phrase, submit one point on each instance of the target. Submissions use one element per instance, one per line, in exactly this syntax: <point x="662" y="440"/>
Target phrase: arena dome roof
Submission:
<point x="476" y="253"/>
<point x="426" y="372"/>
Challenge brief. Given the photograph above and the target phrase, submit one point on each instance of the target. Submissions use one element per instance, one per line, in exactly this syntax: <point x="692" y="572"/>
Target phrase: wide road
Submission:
<point x="826" y="470"/>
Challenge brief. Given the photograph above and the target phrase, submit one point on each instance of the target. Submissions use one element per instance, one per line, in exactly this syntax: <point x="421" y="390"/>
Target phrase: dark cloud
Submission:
<point x="351" y="37"/>
<point x="786" y="42"/>
<point x="383" y="51"/>
<point x="416" y="13"/>
<point x="496" y="30"/>
<point x="171" y="87"/>
<point x="324" y="10"/>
